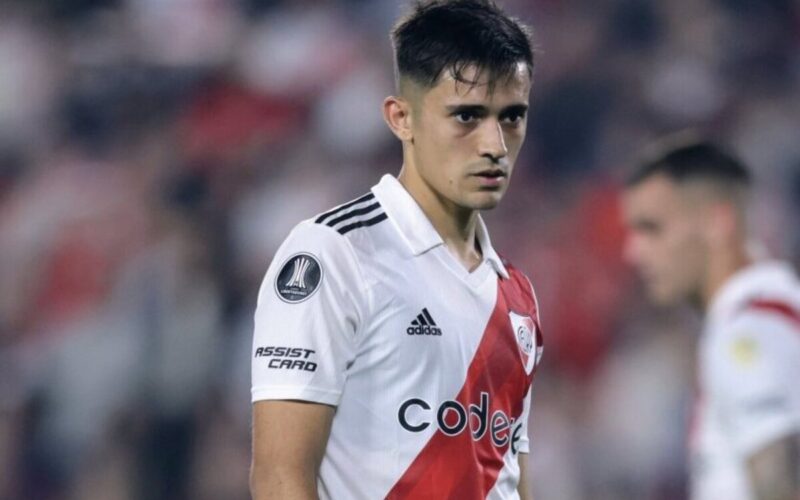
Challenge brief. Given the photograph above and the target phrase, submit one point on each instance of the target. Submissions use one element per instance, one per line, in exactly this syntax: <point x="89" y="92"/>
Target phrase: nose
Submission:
<point x="492" y="143"/>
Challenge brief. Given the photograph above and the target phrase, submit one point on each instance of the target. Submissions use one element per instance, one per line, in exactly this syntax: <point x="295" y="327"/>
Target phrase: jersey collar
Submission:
<point x="488" y="250"/>
<point x="415" y="227"/>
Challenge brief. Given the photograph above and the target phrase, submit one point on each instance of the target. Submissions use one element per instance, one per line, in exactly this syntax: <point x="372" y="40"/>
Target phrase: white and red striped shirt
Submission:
<point x="429" y="365"/>
<point x="749" y="378"/>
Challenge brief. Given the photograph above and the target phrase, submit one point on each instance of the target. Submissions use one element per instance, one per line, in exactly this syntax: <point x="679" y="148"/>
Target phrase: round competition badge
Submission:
<point x="298" y="278"/>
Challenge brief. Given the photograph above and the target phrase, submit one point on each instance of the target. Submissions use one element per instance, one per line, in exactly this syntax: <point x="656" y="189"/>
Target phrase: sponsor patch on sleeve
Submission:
<point x="745" y="352"/>
<point x="299" y="278"/>
<point x="288" y="358"/>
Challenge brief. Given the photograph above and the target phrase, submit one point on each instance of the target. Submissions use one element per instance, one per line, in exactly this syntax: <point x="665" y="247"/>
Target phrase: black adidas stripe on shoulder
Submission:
<point x="344" y="207"/>
<point x="354" y="213"/>
<point x="363" y="223"/>
<point x="365" y="212"/>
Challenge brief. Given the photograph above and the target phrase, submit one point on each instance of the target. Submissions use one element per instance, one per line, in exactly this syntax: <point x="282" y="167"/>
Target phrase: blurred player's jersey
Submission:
<point x="429" y="365"/>
<point x="749" y="395"/>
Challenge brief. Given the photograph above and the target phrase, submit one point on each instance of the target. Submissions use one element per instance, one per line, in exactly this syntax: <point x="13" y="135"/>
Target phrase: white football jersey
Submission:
<point x="429" y="366"/>
<point x="749" y="378"/>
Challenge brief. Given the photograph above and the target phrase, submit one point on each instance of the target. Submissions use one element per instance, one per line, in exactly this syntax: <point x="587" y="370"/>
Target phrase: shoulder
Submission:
<point x="522" y="283"/>
<point x="338" y="230"/>
<point x="770" y="321"/>
<point x="761" y="339"/>
<point x="776" y="312"/>
<point x="341" y="238"/>
<point x="363" y="212"/>
<point x="765" y="294"/>
<point x="517" y="276"/>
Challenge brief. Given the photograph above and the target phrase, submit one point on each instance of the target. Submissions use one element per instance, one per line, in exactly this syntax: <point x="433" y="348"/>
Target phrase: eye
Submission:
<point x="466" y="117"/>
<point x="514" y="117"/>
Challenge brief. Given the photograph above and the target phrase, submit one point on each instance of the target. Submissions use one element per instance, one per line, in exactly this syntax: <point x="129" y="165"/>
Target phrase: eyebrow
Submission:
<point x="466" y="108"/>
<point x="515" y="108"/>
<point x="480" y="108"/>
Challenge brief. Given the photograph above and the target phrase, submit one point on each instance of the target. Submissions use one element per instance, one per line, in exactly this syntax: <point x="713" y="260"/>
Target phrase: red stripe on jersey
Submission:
<point x="459" y="466"/>
<point x="781" y="308"/>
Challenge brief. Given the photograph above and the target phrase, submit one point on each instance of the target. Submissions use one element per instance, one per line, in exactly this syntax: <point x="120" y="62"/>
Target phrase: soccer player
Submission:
<point x="394" y="350"/>
<point x="686" y="211"/>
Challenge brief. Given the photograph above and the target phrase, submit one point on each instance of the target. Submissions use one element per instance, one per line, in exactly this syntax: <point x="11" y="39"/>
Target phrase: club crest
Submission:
<point x="529" y="340"/>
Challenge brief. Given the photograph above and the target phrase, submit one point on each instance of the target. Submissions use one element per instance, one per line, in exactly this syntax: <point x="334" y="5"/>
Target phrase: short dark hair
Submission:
<point x="685" y="157"/>
<point x="450" y="35"/>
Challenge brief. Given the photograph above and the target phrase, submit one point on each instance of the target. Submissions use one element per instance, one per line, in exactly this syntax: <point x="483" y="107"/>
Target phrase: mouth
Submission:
<point x="493" y="177"/>
<point x="493" y="173"/>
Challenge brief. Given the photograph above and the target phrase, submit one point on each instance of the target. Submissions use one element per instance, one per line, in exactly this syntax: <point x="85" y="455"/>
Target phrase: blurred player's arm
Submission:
<point x="754" y="372"/>
<point x="774" y="470"/>
<point x="289" y="439"/>
<point x="524" y="488"/>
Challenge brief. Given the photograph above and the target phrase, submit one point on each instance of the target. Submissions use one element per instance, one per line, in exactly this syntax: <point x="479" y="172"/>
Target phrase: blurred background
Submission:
<point x="154" y="153"/>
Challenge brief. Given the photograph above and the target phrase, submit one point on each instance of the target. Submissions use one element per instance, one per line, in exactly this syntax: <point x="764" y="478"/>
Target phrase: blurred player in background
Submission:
<point x="394" y="350"/>
<point x="686" y="210"/>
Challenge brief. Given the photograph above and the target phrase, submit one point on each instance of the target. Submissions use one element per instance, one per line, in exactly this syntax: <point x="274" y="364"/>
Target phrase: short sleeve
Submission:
<point x="310" y="308"/>
<point x="523" y="445"/>
<point x="755" y="374"/>
<point x="524" y="441"/>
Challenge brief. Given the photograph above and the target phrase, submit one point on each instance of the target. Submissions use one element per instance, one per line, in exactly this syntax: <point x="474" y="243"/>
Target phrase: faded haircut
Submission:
<point x="441" y="36"/>
<point x="687" y="158"/>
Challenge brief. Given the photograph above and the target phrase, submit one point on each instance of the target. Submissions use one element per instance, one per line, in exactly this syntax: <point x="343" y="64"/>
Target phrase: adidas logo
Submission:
<point x="424" y="325"/>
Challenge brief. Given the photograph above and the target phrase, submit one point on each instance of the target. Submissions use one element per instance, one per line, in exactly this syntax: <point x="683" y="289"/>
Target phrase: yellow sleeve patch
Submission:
<point x="745" y="351"/>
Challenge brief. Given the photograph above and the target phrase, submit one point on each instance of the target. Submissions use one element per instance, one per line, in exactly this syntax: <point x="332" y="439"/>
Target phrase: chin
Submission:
<point x="485" y="201"/>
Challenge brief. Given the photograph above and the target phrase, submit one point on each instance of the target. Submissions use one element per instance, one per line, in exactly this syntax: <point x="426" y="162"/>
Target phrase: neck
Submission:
<point x="455" y="224"/>
<point x="722" y="266"/>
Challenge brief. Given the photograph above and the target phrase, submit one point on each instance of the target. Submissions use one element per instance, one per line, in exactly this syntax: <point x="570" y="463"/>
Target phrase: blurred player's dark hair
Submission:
<point x="687" y="157"/>
<point x="451" y="35"/>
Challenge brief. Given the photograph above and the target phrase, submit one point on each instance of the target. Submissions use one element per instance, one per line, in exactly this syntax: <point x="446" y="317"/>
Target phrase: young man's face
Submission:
<point x="466" y="139"/>
<point x="666" y="238"/>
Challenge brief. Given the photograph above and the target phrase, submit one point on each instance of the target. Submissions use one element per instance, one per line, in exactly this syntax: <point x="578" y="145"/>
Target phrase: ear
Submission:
<point x="397" y="114"/>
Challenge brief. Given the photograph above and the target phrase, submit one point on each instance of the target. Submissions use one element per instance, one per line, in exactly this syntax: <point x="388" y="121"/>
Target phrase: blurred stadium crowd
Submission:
<point x="154" y="153"/>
